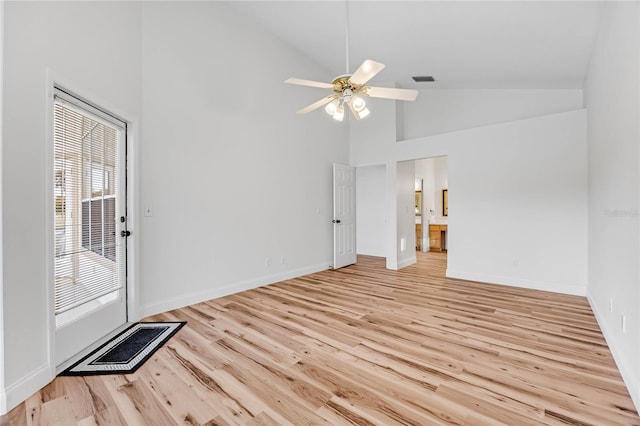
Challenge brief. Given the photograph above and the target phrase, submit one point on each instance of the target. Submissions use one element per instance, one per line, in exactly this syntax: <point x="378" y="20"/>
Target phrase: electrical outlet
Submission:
<point x="283" y="260"/>
<point x="623" y="323"/>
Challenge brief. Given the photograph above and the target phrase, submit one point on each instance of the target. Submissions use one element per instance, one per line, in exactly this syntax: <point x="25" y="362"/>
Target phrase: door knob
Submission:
<point x="125" y="233"/>
<point x="336" y="220"/>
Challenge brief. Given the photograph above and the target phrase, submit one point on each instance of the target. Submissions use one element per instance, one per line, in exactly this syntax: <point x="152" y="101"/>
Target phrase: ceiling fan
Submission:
<point x="349" y="88"/>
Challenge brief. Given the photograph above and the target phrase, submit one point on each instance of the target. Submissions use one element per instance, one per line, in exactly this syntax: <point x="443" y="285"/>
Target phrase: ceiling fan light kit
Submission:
<point x="357" y="105"/>
<point x="350" y="88"/>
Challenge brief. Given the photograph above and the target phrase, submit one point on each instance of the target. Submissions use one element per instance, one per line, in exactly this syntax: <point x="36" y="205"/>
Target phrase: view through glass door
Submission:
<point x="90" y="225"/>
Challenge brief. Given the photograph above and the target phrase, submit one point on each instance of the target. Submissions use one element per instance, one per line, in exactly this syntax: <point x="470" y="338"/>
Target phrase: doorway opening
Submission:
<point x="432" y="204"/>
<point x="371" y="210"/>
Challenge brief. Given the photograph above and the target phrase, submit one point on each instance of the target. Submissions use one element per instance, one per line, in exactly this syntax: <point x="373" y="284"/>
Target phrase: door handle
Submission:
<point x="125" y="233"/>
<point x="336" y="220"/>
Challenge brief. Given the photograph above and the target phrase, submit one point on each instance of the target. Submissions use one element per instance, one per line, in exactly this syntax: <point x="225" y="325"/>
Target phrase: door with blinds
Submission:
<point x="90" y="224"/>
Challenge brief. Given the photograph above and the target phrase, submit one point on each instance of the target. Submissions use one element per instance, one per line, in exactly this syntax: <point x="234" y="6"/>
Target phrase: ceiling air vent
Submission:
<point x="421" y="78"/>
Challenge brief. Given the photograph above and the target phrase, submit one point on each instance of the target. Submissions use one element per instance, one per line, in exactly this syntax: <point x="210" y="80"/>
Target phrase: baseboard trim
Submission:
<point x="575" y="290"/>
<point x="18" y="392"/>
<point x="630" y="381"/>
<point x="371" y="252"/>
<point x="396" y="265"/>
<point x="407" y="262"/>
<point x="193" y="298"/>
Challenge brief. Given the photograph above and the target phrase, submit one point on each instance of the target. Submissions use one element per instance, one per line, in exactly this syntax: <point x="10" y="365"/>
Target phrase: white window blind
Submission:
<point x="89" y="258"/>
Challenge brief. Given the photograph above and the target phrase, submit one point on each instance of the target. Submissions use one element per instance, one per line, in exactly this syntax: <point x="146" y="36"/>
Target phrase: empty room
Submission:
<point x="319" y="212"/>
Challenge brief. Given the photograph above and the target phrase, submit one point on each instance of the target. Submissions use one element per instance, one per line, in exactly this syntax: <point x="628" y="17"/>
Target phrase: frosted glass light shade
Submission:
<point x="358" y="103"/>
<point x="332" y="107"/>
<point x="364" y="113"/>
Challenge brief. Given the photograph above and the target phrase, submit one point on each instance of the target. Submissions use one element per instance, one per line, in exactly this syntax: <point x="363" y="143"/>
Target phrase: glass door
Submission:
<point x="90" y="224"/>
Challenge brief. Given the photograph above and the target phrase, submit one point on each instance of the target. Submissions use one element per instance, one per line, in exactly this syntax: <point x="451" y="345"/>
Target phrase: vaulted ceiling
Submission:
<point x="462" y="44"/>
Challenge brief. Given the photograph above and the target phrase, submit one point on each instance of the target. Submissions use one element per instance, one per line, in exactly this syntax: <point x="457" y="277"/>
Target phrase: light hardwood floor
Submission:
<point x="362" y="345"/>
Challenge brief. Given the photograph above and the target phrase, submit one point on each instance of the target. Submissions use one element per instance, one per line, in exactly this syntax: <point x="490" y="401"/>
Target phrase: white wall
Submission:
<point x="231" y="174"/>
<point x="101" y="57"/>
<point x="3" y="396"/>
<point x="438" y="111"/>
<point x="509" y="184"/>
<point x="371" y="214"/>
<point x="371" y="143"/>
<point x="371" y="140"/>
<point x="405" y="214"/>
<point x="517" y="203"/>
<point x="236" y="180"/>
<point x="612" y="92"/>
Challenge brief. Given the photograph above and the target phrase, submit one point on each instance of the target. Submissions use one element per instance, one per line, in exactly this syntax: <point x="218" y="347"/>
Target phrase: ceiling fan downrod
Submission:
<point x="346" y="32"/>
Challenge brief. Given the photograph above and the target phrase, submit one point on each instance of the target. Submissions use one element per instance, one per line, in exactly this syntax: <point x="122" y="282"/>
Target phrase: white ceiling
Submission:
<point x="463" y="44"/>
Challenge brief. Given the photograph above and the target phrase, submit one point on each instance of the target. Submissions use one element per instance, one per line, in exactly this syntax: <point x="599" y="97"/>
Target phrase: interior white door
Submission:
<point x="344" y="215"/>
<point x="90" y="225"/>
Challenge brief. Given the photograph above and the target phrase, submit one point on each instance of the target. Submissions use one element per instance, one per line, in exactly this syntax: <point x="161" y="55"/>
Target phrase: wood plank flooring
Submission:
<point x="361" y="345"/>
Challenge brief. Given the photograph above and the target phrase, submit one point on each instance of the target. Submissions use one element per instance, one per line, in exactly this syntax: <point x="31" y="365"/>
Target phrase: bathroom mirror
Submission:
<point x="445" y="202"/>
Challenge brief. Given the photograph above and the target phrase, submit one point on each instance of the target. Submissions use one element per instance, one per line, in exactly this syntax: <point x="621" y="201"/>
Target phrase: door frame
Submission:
<point x="53" y="79"/>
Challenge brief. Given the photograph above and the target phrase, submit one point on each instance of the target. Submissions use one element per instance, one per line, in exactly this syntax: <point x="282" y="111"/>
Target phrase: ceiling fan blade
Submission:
<point x="310" y="83"/>
<point x="366" y="72"/>
<point x="391" y="93"/>
<point x="317" y="104"/>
